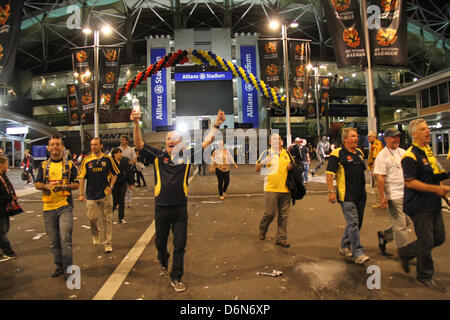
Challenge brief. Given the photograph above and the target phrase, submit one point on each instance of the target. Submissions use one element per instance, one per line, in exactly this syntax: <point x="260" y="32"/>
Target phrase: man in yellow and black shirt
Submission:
<point x="57" y="178"/>
<point x="277" y="162"/>
<point x="347" y="165"/>
<point x="422" y="202"/>
<point x="172" y="167"/>
<point x="100" y="173"/>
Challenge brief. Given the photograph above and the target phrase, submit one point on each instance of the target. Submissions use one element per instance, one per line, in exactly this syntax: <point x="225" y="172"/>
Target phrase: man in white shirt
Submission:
<point x="389" y="173"/>
<point x="128" y="152"/>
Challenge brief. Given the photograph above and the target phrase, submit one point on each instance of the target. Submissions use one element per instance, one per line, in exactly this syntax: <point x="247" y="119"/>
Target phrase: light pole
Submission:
<point x="274" y="25"/>
<point x="106" y="30"/>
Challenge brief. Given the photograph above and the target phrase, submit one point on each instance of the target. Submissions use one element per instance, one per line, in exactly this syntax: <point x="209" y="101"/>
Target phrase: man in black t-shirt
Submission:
<point x="171" y="191"/>
<point x="347" y="165"/>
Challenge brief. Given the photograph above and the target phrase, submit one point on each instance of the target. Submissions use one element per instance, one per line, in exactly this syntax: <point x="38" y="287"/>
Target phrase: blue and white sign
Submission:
<point x="249" y="92"/>
<point x="158" y="91"/>
<point x="203" y="76"/>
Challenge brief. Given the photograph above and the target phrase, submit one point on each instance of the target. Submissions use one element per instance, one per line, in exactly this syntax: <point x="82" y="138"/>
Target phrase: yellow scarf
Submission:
<point x="431" y="158"/>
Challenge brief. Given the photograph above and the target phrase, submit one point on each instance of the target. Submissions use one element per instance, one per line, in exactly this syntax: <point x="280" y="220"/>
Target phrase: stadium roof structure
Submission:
<point x="50" y="28"/>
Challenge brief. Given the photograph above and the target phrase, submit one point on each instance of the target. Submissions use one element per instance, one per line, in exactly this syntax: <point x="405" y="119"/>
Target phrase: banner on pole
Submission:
<point x="158" y="91"/>
<point x="85" y="97"/>
<point x="249" y="92"/>
<point x="109" y="75"/>
<point x="72" y="104"/>
<point x="389" y="35"/>
<point x="345" y="27"/>
<point x="10" y="20"/>
<point x="83" y="64"/>
<point x="325" y="83"/>
<point x="270" y="58"/>
<point x="300" y="53"/>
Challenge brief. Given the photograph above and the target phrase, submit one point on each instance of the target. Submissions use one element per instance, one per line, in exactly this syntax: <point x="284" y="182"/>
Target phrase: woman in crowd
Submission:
<point x="124" y="181"/>
<point x="221" y="159"/>
<point x="28" y="166"/>
<point x="7" y="194"/>
<point x="138" y="168"/>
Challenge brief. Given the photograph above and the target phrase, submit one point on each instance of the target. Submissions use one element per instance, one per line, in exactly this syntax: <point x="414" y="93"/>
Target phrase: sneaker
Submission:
<point x="130" y="205"/>
<point x="222" y="198"/>
<point x="58" y="271"/>
<point x="361" y="259"/>
<point x="376" y="206"/>
<point x="10" y="256"/>
<point x="346" y="252"/>
<point x="381" y="242"/>
<point x="178" y="285"/>
<point x="96" y="240"/>
<point x="313" y="173"/>
<point x="163" y="271"/>
<point x="67" y="275"/>
<point x="108" y="248"/>
<point x="430" y="283"/>
<point x="283" y="243"/>
<point x="123" y="221"/>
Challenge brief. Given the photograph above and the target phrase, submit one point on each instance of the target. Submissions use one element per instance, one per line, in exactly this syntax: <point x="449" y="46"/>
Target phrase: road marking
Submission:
<point x="114" y="282"/>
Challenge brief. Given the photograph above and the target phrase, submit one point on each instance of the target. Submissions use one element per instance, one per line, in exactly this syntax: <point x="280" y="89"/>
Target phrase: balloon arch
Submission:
<point x="199" y="57"/>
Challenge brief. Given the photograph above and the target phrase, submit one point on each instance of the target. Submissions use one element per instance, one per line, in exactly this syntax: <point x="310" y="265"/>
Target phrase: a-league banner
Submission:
<point x="300" y="53"/>
<point x="388" y="39"/>
<point x="345" y="27"/>
<point x="85" y="97"/>
<point x="109" y="75"/>
<point x="72" y="104"/>
<point x="249" y="92"/>
<point x="158" y="91"/>
<point x="10" y="20"/>
<point x="325" y="84"/>
<point x="270" y="60"/>
<point x="311" y="102"/>
<point x="83" y="64"/>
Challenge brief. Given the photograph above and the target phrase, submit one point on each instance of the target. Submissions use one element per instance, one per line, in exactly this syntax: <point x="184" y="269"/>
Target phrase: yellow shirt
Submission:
<point x="277" y="172"/>
<point x="56" y="200"/>
<point x="375" y="149"/>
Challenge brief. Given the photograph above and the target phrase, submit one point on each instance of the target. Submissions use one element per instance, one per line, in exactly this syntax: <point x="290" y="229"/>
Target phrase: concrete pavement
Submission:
<point x="223" y="253"/>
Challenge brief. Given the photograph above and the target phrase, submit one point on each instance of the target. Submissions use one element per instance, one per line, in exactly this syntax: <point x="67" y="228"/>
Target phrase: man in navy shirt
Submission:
<point x="171" y="191"/>
<point x="422" y="202"/>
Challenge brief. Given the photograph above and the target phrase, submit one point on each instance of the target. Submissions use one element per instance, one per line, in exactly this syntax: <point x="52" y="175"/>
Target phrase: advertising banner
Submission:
<point x="249" y="92"/>
<point x="158" y="91"/>
<point x="270" y="59"/>
<point x="10" y="18"/>
<point x="72" y="104"/>
<point x="83" y="64"/>
<point x="85" y="97"/>
<point x="300" y="54"/>
<point x="345" y="27"/>
<point x="109" y="76"/>
<point x="325" y="84"/>
<point x="388" y="40"/>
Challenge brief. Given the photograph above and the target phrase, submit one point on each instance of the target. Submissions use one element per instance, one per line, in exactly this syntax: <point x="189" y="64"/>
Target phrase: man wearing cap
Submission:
<point x="375" y="147"/>
<point x="389" y="174"/>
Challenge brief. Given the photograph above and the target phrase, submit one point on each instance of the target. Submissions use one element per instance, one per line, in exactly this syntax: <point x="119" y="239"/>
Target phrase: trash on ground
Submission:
<point x="73" y="297"/>
<point x="86" y="227"/>
<point x="30" y="230"/>
<point x="214" y="202"/>
<point x="274" y="273"/>
<point x="29" y="211"/>
<point x="38" y="236"/>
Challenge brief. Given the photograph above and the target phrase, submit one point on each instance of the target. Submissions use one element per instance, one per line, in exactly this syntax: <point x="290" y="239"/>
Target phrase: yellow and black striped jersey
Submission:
<point x="98" y="173"/>
<point x="349" y="170"/>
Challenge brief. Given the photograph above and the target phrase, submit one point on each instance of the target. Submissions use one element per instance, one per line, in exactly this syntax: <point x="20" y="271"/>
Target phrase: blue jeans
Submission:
<point x="306" y="167"/>
<point x="5" y="245"/>
<point x="59" y="225"/>
<point x="353" y="214"/>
